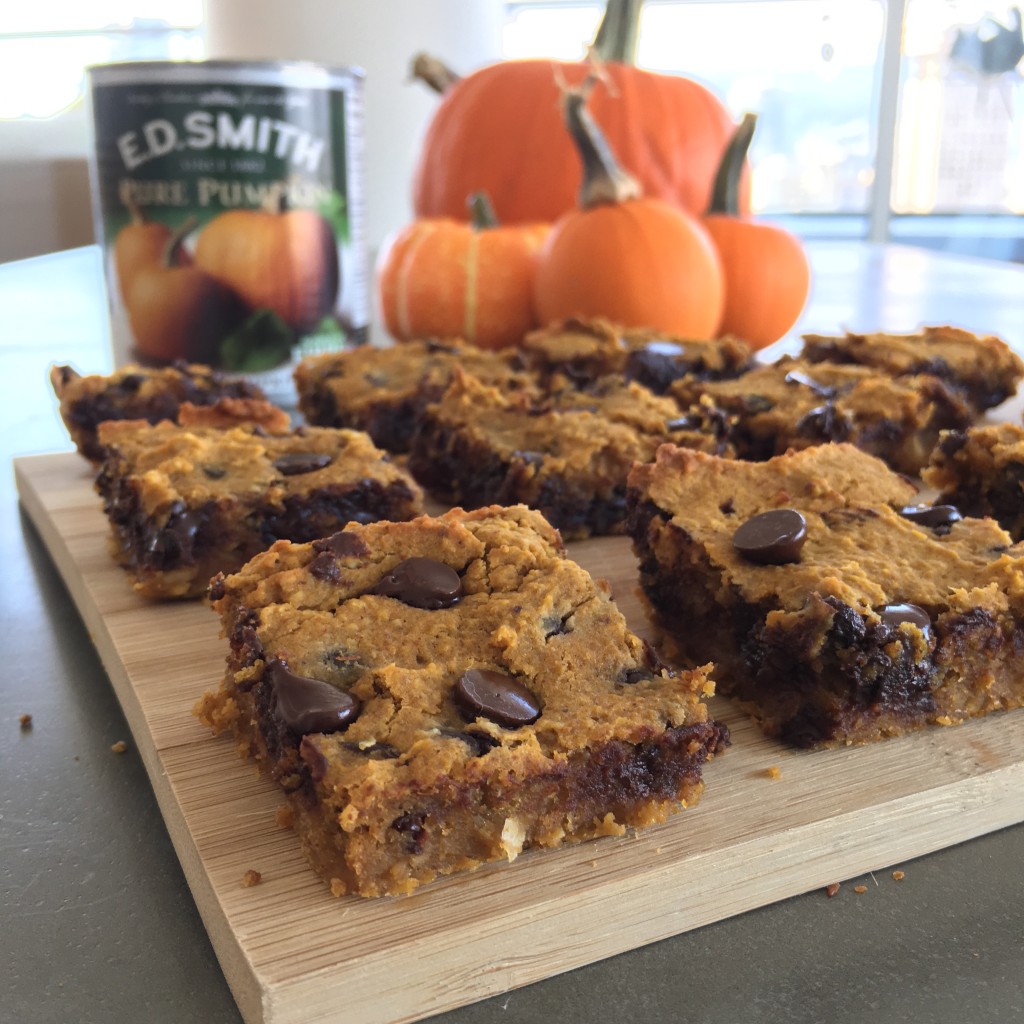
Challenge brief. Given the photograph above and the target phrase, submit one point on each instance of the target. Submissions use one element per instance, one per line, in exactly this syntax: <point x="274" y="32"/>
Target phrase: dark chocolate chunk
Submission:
<point x="636" y="675"/>
<point x="687" y="422"/>
<point x="755" y="404"/>
<point x="375" y="751"/>
<point x="826" y="422"/>
<point x="772" y="538"/>
<point x="215" y="472"/>
<point x="341" y="544"/>
<point x="310" y="705"/>
<point x="325" y="568"/>
<point x="895" y="614"/>
<point x="421" y="583"/>
<point x="932" y="516"/>
<point x="294" y="463"/>
<point x="494" y="695"/>
<point x="412" y="829"/>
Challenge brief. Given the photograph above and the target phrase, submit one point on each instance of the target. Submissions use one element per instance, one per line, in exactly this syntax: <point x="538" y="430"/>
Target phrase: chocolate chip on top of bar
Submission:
<point x="448" y="691"/>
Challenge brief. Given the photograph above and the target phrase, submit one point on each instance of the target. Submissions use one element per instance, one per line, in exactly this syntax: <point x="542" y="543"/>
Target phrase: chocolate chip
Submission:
<point x="755" y="404"/>
<point x="341" y="544"/>
<point x="325" y="568"/>
<point x="411" y="827"/>
<point x="294" y="463"/>
<point x="479" y="743"/>
<point x="310" y="705"/>
<point x="664" y="348"/>
<point x="772" y="538"/>
<point x="529" y="458"/>
<point x="215" y="472"/>
<point x="936" y="517"/>
<point x="494" y="695"/>
<point x="952" y="441"/>
<point x="826" y="422"/>
<point x="895" y="614"/>
<point x="421" y="583"/>
<point x="374" y="751"/>
<point x="636" y="675"/>
<point x="688" y="422"/>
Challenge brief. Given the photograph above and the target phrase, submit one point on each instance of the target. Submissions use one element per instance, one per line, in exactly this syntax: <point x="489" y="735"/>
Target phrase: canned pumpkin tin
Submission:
<point x="228" y="199"/>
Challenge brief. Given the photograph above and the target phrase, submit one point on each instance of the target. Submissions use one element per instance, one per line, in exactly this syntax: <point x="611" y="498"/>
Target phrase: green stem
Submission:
<point x="481" y="212"/>
<point x="604" y="181"/>
<point x="618" y="33"/>
<point x="725" y="195"/>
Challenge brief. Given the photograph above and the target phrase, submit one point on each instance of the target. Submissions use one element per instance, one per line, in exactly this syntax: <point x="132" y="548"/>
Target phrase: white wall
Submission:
<point x="44" y="192"/>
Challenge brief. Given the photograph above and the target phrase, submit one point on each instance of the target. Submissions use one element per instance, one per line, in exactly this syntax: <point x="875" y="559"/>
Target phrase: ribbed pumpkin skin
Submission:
<point x="767" y="278"/>
<point x="500" y="130"/>
<point x="445" y="279"/>
<point x="639" y="263"/>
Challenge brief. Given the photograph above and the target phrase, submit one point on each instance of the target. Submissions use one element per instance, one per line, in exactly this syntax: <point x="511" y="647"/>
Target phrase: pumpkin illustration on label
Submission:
<point x="274" y="258"/>
<point x="140" y="245"/>
<point x="178" y="311"/>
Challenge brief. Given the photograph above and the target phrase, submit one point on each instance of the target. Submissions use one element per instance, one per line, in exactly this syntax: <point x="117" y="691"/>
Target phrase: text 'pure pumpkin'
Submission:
<point x="635" y="260"/>
<point x="444" y="278"/>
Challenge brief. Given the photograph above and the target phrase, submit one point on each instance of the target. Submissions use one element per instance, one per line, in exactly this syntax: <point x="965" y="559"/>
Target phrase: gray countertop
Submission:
<point x="98" y="921"/>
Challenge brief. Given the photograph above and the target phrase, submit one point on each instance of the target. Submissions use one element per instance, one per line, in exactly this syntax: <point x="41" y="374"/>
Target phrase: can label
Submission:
<point x="230" y="213"/>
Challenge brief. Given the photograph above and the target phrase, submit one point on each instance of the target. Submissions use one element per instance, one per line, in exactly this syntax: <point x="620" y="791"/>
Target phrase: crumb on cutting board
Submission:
<point x="251" y="878"/>
<point x="119" y="747"/>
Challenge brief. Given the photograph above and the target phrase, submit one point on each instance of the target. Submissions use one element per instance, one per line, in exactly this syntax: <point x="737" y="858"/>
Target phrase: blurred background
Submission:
<point x="896" y="120"/>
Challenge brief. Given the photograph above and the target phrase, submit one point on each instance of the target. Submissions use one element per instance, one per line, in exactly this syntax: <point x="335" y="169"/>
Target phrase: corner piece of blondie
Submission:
<point x="836" y="608"/>
<point x="437" y="694"/>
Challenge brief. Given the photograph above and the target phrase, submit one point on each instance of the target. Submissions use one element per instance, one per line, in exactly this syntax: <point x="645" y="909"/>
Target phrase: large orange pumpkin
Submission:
<point x="499" y="130"/>
<point x="637" y="261"/>
<point x="767" y="276"/>
<point x="443" y="278"/>
<point x="277" y="259"/>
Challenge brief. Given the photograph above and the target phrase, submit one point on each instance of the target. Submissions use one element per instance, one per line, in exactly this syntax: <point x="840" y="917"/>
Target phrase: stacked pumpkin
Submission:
<point x="658" y="236"/>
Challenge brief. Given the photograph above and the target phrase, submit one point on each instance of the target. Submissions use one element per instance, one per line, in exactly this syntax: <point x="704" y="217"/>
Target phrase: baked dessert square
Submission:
<point x="579" y="352"/>
<point x="566" y="455"/>
<point x="384" y="390"/>
<point x="437" y="694"/>
<point x="984" y="368"/>
<point x="981" y="471"/>
<point x="836" y="608"/>
<point x="797" y="404"/>
<point x="187" y="501"/>
<point x="137" y="393"/>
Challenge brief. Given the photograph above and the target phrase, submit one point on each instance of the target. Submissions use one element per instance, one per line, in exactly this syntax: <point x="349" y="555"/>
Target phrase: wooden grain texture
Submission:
<point x="292" y="953"/>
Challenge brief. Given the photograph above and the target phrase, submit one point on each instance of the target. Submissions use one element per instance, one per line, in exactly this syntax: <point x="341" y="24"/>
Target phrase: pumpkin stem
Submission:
<point x="171" y="251"/>
<point x="725" y="194"/>
<point x="433" y="72"/>
<point x="276" y="199"/>
<point x="604" y="181"/>
<point x="619" y="32"/>
<point x="481" y="212"/>
<point x="133" y="208"/>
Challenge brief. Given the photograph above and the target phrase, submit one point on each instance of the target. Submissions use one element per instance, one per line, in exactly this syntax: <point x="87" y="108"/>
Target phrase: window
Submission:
<point x="45" y="48"/>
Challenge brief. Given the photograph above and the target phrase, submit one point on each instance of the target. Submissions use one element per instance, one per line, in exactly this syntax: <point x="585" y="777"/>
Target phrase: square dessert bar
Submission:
<point x="383" y="390"/>
<point x="566" y="455"/>
<point x="985" y="369"/>
<point x="797" y="404"/>
<point x="580" y="352"/>
<point x="137" y="393"/>
<point x="981" y="471"/>
<point x="437" y="694"/>
<point x="835" y="608"/>
<point x="187" y="501"/>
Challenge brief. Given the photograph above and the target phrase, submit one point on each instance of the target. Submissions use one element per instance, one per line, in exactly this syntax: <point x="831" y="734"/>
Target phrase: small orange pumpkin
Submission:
<point x="140" y="245"/>
<point x="445" y="278"/>
<point x="640" y="262"/>
<point x="277" y="259"/>
<point x="767" y="276"/>
<point x="177" y="311"/>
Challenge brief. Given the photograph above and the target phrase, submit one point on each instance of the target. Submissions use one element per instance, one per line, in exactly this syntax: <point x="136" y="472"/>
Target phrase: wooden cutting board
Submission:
<point x="293" y="953"/>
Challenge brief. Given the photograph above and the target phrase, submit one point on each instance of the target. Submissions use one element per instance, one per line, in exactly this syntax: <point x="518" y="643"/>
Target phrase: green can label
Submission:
<point x="229" y="203"/>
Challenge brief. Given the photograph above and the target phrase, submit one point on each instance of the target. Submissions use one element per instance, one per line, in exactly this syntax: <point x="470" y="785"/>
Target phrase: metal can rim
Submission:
<point x="120" y="72"/>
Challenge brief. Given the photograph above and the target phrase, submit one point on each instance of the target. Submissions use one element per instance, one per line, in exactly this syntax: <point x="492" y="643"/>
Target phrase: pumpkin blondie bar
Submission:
<point x="437" y="694"/>
<point x="187" y="501"/>
<point x="983" y="368"/>
<point x="137" y="393"/>
<point x="835" y="607"/>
